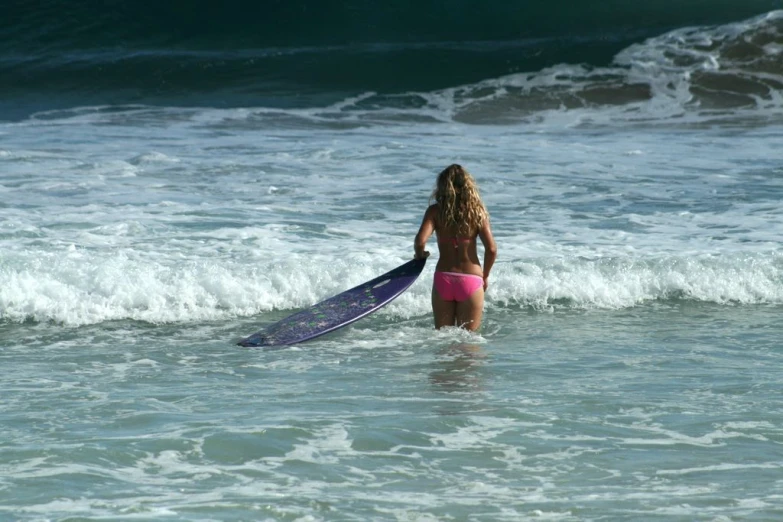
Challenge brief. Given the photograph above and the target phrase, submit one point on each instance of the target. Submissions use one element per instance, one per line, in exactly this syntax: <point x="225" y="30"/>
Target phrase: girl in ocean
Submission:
<point x="457" y="216"/>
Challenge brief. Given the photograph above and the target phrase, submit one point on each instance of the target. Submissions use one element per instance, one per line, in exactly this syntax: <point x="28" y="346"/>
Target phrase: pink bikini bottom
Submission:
<point x="453" y="286"/>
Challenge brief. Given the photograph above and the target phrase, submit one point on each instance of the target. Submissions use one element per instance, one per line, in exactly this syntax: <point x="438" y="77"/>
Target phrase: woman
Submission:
<point x="457" y="217"/>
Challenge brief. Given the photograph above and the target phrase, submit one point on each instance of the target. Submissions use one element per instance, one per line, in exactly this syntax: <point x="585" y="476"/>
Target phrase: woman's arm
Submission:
<point x="425" y="231"/>
<point x="490" y="249"/>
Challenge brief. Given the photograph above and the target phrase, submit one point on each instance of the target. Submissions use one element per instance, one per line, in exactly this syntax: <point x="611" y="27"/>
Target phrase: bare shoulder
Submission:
<point x="485" y="231"/>
<point x="485" y="222"/>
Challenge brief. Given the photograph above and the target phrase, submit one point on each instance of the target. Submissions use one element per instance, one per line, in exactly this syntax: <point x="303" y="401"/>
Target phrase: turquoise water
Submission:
<point x="659" y="412"/>
<point x="629" y="363"/>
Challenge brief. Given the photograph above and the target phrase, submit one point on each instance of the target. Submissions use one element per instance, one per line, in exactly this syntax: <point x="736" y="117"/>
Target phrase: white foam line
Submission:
<point x="720" y="467"/>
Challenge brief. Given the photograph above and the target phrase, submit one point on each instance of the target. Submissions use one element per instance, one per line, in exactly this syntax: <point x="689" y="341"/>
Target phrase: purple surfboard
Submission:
<point x="340" y="310"/>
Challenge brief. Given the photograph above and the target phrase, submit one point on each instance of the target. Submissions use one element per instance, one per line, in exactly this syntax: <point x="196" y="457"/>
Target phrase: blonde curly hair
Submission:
<point x="459" y="203"/>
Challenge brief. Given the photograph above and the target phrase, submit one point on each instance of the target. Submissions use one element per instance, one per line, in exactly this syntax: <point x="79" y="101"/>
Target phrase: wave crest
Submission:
<point x="82" y="288"/>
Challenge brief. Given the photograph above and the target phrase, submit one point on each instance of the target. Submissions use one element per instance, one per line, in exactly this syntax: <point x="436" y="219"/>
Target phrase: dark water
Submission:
<point x="58" y="54"/>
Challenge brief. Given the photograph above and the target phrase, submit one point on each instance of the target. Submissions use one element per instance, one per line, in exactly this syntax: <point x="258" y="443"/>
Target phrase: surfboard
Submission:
<point x="340" y="310"/>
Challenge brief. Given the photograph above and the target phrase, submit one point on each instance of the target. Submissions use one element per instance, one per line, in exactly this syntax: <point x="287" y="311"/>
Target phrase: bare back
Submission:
<point x="457" y="253"/>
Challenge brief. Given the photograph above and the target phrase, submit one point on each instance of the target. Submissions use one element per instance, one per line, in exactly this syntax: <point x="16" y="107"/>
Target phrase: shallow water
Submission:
<point x="667" y="410"/>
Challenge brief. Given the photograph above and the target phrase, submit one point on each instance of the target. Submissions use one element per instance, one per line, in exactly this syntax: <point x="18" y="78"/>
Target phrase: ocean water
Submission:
<point x="169" y="186"/>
